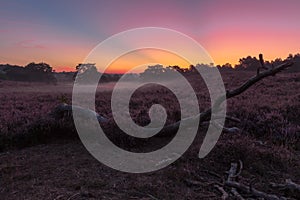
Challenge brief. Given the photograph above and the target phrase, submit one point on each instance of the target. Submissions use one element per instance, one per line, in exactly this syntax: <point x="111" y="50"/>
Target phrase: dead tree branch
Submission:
<point x="289" y="185"/>
<point x="66" y="110"/>
<point x="204" y="116"/>
<point x="224" y="193"/>
<point x="232" y="175"/>
<point x="253" y="191"/>
<point x="231" y="182"/>
<point x="252" y="81"/>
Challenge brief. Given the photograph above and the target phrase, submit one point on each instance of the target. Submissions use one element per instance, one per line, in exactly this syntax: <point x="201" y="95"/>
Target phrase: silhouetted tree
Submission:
<point x="34" y="72"/>
<point x="152" y="71"/>
<point x="192" y="69"/>
<point x="40" y="72"/>
<point x="39" y="67"/>
<point x="248" y="63"/>
<point x="226" y="66"/>
<point x="86" y="73"/>
<point x="158" y="71"/>
<point x="178" y="69"/>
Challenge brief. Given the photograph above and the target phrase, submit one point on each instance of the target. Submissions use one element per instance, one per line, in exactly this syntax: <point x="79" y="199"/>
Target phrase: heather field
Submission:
<point x="42" y="157"/>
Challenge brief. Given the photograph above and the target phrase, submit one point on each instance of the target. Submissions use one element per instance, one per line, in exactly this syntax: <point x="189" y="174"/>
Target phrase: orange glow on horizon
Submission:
<point x="145" y="57"/>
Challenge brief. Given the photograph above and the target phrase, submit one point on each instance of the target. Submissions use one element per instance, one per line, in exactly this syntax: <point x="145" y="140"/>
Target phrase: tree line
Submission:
<point x="43" y="72"/>
<point x="251" y="63"/>
<point x="33" y="72"/>
<point x="245" y="64"/>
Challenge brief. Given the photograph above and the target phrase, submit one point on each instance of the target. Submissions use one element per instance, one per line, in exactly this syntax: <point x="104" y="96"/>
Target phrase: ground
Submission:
<point x="39" y="162"/>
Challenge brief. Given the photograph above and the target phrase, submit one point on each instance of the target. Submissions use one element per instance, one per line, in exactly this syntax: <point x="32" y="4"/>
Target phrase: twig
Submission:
<point x="58" y="197"/>
<point x="225" y="129"/>
<point x="253" y="191"/>
<point x="236" y="194"/>
<point x="289" y="185"/>
<point x="230" y="118"/>
<point x="224" y="193"/>
<point x="231" y="182"/>
<point x="262" y="63"/>
<point x="240" y="169"/>
<point x="193" y="182"/>
<point x="152" y="197"/>
<point x="149" y="195"/>
<point x="213" y="173"/>
<point x="65" y="109"/>
<point x="232" y="172"/>
<point x="71" y="197"/>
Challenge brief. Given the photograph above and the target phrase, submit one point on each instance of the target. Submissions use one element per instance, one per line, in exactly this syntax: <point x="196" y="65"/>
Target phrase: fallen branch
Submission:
<point x="289" y="185"/>
<point x="213" y="174"/>
<point x="231" y="182"/>
<point x="236" y="194"/>
<point x="232" y="175"/>
<point x="240" y="170"/>
<point x="66" y="110"/>
<point x="224" y="193"/>
<point x="74" y="195"/>
<point x="193" y="182"/>
<point x="252" y="191"/>
<point x="252" y="81"/>
<point x="225" y="129"/>
<point x="230" y="118"/>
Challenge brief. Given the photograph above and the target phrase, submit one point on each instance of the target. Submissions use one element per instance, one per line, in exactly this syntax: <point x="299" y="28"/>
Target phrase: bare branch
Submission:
<point x="225" y="129"/>
<point x="262" y="63"/>
<point x="193" y="182"/>
<point x="252" y="81"/>
<point x="66" y="110"/>
<point x="253" y="191"/>
<point x="224" y="193"/>
<point x="204" y="116"/>
<point x="240" y="169"/>
<point x="231" y="182"/>
<point x="236" y="194"/>
<point x="233" y="173"/>
<point x="289" y="185"/>
<point x="230" y="118"/>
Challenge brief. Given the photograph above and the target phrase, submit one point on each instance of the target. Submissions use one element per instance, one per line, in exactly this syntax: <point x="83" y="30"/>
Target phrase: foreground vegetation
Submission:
<point x="54" y="163"/>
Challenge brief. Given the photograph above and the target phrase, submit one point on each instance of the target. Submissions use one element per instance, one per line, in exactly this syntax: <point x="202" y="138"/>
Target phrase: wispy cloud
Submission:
<point x="30" y="44"/>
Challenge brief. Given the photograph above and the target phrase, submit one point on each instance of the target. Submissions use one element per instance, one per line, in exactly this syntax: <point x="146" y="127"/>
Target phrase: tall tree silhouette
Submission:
<point x="86" y="73"/>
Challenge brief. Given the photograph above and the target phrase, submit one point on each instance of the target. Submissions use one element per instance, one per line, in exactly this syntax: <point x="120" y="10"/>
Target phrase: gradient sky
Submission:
<point x="63" y="32"/>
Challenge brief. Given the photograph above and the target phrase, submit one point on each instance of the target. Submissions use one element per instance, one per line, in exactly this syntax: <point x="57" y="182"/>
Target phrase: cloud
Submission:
<point x="30" y="44"/>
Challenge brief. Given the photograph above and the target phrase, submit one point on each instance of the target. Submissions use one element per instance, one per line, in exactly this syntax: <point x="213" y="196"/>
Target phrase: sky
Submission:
<point x="63" y="32"/>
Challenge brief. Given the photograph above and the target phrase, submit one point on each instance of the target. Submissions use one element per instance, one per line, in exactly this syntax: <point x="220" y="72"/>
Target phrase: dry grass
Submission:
<point x="58" y="167"/>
